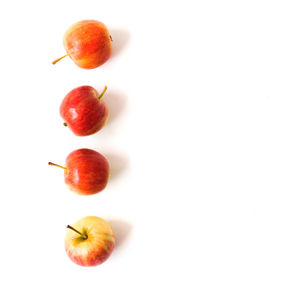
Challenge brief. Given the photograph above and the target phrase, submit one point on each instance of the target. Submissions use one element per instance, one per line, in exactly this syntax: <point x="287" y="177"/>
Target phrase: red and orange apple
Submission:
<point x="90" y="241"/>
<point x="86" y="171"/>
<point x="88" y="43"/>
<point x="84" y="111"/>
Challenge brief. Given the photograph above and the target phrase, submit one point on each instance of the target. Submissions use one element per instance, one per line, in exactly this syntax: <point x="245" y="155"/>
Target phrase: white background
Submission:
<point x="203" y="142"/>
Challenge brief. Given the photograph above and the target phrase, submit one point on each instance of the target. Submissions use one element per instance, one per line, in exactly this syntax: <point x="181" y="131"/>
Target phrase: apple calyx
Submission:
<point x="83" y="235"/>
<point x="102" y="93"/>
<point x="53" y="164"/>
<point x="58" y="59"/>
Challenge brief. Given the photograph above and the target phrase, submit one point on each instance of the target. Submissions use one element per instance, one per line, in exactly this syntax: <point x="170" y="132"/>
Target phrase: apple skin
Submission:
<point x="83" y="111"/>
<point x="87" y="171"/>
<point x="88" y="43"/>
<point x="96" y="248"/>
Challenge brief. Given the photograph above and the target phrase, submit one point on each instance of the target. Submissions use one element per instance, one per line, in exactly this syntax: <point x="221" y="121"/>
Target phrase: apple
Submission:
<point x="90" y="241"/>
<point x="88" y="43"/>
<point x="86" y="171"/>
<point x="84" y="111"/>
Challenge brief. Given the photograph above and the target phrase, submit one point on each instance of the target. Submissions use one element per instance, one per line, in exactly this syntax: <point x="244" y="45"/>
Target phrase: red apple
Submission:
<point x="84" y="111"/>
<point x="88" y="43"/>
<point x="90" y="241"/>
<point x="86" y="171"/>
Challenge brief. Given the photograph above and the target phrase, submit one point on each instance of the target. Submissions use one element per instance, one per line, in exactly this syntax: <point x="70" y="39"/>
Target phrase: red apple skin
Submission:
<point x="88" y="43"/>
<point x="87" y="171"/>
<point x="83" y="112"/>
<point x="96" y="248"/>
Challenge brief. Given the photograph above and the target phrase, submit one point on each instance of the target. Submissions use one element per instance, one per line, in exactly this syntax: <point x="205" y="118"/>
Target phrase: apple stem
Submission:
<point x="58" y="59"/>
<point x="84" y="236"/>
<point x="65" y="124"/>
<point x="102" y="93"/>
<point x="53" y="164"/>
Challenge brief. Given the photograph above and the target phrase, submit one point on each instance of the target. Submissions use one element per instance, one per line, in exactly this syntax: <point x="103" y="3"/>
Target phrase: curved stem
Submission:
<point x="102" y="93"/>
<point x="58" y="59"/>
<point x="84" y="236"/>
<point x="56" y="165"/>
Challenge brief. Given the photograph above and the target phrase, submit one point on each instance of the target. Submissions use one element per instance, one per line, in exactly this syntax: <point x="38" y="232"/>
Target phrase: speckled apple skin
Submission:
<point x="88" y="43"/>
<point x="83" y="112"/>
<point x="94" y="250"/>
<point x="87" y="171"/>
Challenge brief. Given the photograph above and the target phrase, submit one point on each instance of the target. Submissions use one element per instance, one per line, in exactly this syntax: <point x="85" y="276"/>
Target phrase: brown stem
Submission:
<point x="84" y="236"/>
<point x="102" y="93"/>
<point x="52" y="164"/>
<point x="58" y="59"/>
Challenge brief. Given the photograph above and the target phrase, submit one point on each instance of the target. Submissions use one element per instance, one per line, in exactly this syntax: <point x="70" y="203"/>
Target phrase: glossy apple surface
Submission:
<point x="88" y="43"/>
<point x="92" y="242"/>
<point x="84" y="111"/>
<point x="86" y="171"/>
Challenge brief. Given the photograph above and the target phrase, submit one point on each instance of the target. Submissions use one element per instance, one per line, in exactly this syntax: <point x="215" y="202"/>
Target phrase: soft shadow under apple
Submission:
<point x="121" y="230"/>
<point x="117" y="164"/>
<point x="116" y="102"/>
<point x="120" y="38"/>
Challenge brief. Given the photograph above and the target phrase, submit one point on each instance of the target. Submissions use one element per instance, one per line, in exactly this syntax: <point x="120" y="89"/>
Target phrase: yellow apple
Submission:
<point x="90" y="241"/>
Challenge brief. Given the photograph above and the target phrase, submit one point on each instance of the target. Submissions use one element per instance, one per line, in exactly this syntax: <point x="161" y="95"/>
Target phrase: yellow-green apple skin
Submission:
<point x="94" y="246"/>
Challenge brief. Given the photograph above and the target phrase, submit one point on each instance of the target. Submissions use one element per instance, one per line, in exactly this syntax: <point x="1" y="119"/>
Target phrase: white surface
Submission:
<point x="204" y="142"/>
